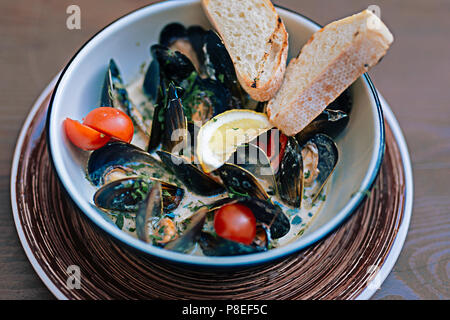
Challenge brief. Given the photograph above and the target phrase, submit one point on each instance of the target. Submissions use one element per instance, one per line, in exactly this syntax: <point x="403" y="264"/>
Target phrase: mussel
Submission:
<point x="320" y="157"/>
<point x="124" y="155"/>
<point x="187" y="41"/>
<point x="192" y="177"/>
<point x="255" y="160"/>
<point x="124" y="195"/>
<point x="241" y="182"/>
<point x="191" y="234"/>
<point x="114" y="94"/>
<point x="219" y="66"/>
<point x="175" y="129"/>
<point x="290" y="174"/>
<point x="149" y="211"/>
<point x="331" y="121"/>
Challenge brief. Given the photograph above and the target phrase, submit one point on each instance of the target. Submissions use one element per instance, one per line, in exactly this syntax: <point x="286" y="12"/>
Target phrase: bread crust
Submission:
<point x="363" y="53"/>
<point x="260" y="91"/>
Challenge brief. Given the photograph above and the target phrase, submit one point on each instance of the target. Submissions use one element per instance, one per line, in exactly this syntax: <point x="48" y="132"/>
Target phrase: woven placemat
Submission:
<point x="59" y="235"/>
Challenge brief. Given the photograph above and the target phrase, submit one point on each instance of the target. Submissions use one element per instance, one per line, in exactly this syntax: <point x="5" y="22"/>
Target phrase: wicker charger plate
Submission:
<point x="56" y="235"/>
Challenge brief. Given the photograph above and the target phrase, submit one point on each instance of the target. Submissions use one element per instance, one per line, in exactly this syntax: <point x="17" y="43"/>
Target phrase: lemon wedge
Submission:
<point x="219" y="137"/>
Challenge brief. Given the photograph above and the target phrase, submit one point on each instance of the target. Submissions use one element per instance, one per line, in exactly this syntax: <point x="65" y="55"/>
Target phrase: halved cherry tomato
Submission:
<point x="112" y="122"/>
<point x="235" y="222"/>
<point x="83" y="136"/>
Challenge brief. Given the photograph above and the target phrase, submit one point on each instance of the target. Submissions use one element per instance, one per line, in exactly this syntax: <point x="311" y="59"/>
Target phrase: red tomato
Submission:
<point x="83" y="136"/>
<point x="112" y="122"/>
<point x="235" y="222"/>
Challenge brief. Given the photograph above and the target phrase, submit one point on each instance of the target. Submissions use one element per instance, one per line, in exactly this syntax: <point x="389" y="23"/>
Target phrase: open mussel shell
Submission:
<point x="150" y="208"/>
<point x="175" y="130"/>
<point x="114" y="94"/>
<point x="290" y="174"/>
<point x="174" y="66"/>
<point x="253" y="159"/>
<point x="187" y="41"/>
<point x="205" y="98"/>
<point x="122" y="195"/>
<point x="329" y="122"/>
<point x="191" y="234"/>
<point x="327" y="162"/>
<point x="196" y="36"/>
<point x="240" y="181"/>
<point x="171" y="33"/>
<point x="192" y="177"/>
<point x="332" y="121"/>
<point x="219" y="66"/>
<point x="120" y="154"/>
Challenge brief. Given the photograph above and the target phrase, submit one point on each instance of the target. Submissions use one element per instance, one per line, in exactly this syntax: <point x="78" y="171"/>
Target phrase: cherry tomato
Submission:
<point x="235" y="222"/>
<point x="83" y="136"/>
<point x="112" y="122"/>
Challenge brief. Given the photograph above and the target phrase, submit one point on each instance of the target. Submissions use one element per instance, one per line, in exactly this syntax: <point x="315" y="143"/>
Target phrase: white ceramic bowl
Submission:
<point x="127" y="40"/>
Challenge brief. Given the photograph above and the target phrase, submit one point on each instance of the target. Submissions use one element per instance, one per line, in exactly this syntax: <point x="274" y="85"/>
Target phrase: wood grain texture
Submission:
<point x="414" y="77"/>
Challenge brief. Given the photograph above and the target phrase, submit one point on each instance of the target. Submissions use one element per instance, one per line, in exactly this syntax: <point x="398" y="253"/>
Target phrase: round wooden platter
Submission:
<point x="56" y="234"/>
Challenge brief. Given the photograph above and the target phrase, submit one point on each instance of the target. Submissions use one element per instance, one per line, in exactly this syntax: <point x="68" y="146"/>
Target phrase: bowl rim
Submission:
<point x="229" y="261"/>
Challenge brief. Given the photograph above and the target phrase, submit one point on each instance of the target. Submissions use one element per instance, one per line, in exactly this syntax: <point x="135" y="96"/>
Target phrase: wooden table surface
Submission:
<point x="414" y="78"/>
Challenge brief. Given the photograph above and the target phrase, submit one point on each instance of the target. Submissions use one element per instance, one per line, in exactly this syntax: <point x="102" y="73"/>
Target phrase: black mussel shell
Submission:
<point x="196" y="36"/>
<point x="213" y="245"/>
<point x="114" y="94"/>
<point x="239" y="181"/>
<point x="343" y="102"/>
<point x="157" y="130"/>
<point x="290" y="174"/>
<point x="152" y="81"/>
<point x="174" y="66"/>
<point x="191" y="234"/>
<point x="221" y="67"/>
<point x="172" y="196"/>
<point x="122" y="195"/>
<point x="151" y="207"/>
<point x="175" y="128"/>
<point x="211" y="95"/>
<point x="330" y="122"/>
<point x="253" y="159"/>
<point x="192" y="177"/>
<point x="270" y="214"/>
<point x="171" y="33"/>
<point x="328" y="159"/>
<point x="115" y="154"/>
<point x="126" y="194"/>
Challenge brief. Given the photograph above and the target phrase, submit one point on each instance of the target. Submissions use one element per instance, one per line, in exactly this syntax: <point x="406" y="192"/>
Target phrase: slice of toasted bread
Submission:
<point x="332" y="59"/>
<point x="257" y="41"/>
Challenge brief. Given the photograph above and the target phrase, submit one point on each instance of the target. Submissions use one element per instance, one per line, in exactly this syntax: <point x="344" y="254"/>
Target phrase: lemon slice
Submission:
<point x="219" y="137"/>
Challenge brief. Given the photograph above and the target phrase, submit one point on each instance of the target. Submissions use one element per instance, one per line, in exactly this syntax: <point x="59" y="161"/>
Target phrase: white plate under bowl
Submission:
<point x="127" y="41"/>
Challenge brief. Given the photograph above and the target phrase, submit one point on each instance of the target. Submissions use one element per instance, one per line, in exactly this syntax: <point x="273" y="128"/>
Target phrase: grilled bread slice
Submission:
<point x="257" y="41"/>
<point x="332" y="59"/>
